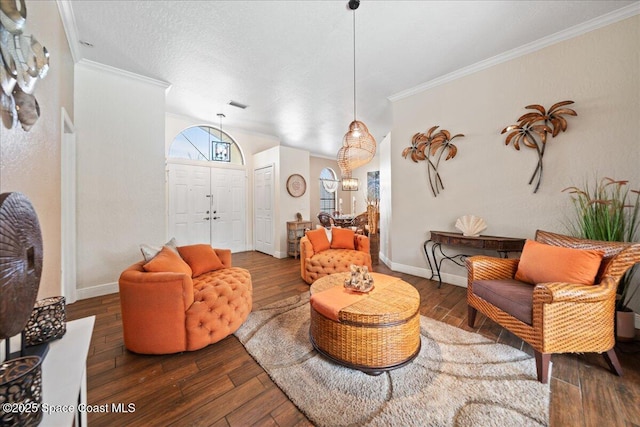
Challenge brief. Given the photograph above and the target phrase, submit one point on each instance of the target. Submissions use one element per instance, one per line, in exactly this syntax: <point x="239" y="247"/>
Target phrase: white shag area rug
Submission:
<point x="458" y="379"/>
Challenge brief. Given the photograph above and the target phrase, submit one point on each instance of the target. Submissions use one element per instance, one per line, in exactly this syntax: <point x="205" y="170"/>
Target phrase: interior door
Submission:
<point x="263" y="209"/>
<point x="228" y="209"/>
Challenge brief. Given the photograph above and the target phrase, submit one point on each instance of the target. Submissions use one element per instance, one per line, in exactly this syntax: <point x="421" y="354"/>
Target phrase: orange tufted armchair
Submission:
<point x="166" y="312"/>
<point x="314" y="265"/>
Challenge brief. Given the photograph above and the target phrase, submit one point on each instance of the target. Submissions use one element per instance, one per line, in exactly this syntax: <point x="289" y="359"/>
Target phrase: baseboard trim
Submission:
<point x="97" y="291"/>
<point x="637" y="321"/>
<point x="280" y="255"/>
<point x="424" y="272"/>
<point x="112" y="288"/>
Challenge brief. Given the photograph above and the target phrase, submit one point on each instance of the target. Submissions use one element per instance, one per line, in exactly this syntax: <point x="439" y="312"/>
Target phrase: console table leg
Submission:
<point x="426" y="254"/>
<point x="436" y="263"/>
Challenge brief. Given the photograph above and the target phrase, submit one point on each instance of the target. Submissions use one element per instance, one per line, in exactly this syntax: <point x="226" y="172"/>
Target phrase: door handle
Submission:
<point x="216" y="217"/>
<point x="206" y="218"/>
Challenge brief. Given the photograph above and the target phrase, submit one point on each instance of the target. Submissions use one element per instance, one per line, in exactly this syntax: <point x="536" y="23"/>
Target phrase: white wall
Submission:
<point x="286" y="161"/>
<point x="386" y="201"/>
<point x="292" y="160"/>
<point x="599" y="70"/>
<point x="120" y="172"/>
<point x="30" y="161"/>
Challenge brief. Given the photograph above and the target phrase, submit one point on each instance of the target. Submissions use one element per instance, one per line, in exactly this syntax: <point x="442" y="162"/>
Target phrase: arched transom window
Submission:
<point x="206" y="143"/>
<point x="328" y="187"/>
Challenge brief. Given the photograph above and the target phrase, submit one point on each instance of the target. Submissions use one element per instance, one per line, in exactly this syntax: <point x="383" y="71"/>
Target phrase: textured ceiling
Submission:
<point x="292" y="61"/>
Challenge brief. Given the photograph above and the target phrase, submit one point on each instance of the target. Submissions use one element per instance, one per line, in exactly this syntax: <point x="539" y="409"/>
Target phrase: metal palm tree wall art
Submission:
<point x="532" y="130"/>
<point x="431" y="147"/>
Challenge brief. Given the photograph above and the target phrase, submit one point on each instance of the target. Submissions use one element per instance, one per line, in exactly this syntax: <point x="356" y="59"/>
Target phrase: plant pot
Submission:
<point x="625" y="325"/>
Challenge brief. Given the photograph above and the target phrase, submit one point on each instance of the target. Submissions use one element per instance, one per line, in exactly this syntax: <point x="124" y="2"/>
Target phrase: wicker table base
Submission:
<point x="379" y="333"/>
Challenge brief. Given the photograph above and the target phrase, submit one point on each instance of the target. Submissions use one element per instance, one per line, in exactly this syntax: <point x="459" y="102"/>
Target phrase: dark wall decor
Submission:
<point x="430" y="147"/>
<point x="23" y="60"/>
<point x="20" y="262"/>
<point x="20" y="272"/>
<point x="532" y="130"/>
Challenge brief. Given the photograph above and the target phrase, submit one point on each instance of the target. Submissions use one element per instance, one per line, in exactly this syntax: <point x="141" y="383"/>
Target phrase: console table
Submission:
<point x="502" y="245"/>
<point x="64" y="375"/>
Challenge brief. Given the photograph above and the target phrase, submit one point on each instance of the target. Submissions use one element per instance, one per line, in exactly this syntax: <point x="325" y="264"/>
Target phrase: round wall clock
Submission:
<point x="296" y="185"/>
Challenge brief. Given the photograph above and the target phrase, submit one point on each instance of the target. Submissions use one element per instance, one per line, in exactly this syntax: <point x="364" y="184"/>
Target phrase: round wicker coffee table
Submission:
<point x="378" y="332"/>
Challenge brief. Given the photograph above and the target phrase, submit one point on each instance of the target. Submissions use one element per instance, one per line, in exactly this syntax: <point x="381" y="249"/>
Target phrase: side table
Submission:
<point x="502" y="245"/>
<point x="295" y="231"/>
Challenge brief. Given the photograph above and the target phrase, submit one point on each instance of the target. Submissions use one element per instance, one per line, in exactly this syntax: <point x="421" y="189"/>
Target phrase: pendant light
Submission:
<point x="221" y="151"/>
<point x="358" y="145"/>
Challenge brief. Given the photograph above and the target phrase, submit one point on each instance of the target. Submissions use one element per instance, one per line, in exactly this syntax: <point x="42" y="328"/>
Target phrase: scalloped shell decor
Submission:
<point x="471" y="225"/>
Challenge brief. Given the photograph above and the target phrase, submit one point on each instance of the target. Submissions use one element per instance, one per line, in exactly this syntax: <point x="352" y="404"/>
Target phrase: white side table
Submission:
<point x="64" y="374"/>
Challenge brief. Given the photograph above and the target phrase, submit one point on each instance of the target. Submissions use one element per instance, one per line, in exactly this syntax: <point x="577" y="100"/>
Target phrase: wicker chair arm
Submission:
<point x="547" y="293"/>
<point x="623" y="261"/>
<point x="482" y="267"/>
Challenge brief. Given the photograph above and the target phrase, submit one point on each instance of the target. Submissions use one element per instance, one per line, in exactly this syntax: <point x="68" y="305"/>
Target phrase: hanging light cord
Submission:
<point x="221" y="115"/>
<point x="354" y="64"/>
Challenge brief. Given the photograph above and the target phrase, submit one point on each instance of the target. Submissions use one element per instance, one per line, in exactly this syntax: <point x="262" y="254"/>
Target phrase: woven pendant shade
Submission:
<point x="358" y="148"/>
<point x="358" y="145"/>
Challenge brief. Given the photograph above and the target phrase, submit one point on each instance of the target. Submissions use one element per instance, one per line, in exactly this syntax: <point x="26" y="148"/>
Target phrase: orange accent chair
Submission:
<point x="317" y="264"/>
<point x="553" y="317"/>
<point x="167" y="312"/>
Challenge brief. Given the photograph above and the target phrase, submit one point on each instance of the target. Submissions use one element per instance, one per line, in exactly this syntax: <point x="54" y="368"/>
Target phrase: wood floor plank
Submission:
<point x="221" y="385"/>
<point x="254" y="410"/>
<point x="565" y="408"/>
<point x="210" y="410"/>
<point x="597" y="385"/>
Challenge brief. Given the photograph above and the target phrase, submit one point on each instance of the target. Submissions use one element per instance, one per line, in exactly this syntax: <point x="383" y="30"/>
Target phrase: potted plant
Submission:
<point x="609" y="210"/>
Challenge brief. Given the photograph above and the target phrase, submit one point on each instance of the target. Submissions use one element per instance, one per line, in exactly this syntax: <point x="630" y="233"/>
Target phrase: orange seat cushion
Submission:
<point x="541" y="263"/>
<point x="222" y="302"/>
<point x="167" y="260"/>
<point x="201" y="258"/>
<point x="342" y="238"/>
<point x="318" y="239"/>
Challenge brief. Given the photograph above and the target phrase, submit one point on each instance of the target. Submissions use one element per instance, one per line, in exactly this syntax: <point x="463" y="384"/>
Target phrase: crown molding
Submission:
<point x="70" y="28"/>
<point x="575" y="31"/>
<point x="92" y="65"/>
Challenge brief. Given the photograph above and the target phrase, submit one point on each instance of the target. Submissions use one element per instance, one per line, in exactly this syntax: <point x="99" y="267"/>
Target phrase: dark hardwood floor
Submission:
<point x="221" y="385"/>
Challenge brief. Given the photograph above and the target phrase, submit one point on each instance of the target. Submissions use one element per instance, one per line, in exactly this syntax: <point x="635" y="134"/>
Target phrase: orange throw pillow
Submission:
<point x="201" y="258"/>
<point x="167" y="260"/>
<point x="318" y="239"/>
<point x="542" y="263"/>
<point x="342" y="238"/>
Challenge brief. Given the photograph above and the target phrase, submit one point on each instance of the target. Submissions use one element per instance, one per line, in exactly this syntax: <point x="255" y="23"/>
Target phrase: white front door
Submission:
<point x="207" y="205"/>
<point x="263" y="209"/>
<point x="228" y="209"/>
<point x="189" y="201"/>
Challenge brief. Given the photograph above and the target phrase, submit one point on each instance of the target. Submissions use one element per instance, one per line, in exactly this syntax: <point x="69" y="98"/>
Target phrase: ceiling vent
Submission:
<point x="237" y="104"/>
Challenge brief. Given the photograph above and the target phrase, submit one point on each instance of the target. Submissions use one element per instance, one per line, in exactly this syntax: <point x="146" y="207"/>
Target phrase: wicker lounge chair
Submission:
<point x="564" y="317"/>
